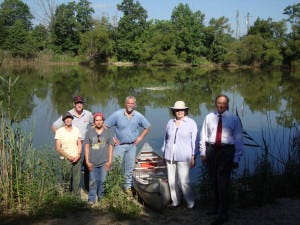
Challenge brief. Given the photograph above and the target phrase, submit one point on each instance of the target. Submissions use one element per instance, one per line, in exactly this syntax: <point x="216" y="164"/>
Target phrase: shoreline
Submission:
<point x="48" y="62"/>
<point x="283" y="211"/>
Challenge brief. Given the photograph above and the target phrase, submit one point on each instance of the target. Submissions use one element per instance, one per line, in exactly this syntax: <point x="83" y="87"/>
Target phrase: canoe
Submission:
<point x="150" y="178"/>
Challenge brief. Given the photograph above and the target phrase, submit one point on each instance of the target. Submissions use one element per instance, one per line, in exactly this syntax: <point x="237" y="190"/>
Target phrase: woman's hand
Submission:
<point x="192" y="164"/>
<point x="107" y="166"/>
<point x="89" y="166"/>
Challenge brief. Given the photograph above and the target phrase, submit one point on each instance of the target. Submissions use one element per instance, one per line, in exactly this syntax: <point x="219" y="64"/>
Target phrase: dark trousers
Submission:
<point x="219" y="165"/>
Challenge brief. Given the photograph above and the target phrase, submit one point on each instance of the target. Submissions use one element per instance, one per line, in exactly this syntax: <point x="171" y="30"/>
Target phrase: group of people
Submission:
<point x="79" y="135"/>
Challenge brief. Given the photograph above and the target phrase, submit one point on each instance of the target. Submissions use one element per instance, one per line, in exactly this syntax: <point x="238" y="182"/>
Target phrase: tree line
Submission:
<point x="183" y="39"/>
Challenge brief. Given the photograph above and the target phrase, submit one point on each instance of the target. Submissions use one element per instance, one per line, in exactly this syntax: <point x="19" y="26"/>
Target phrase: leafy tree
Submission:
<point x="65" y="33"/>
<point x="84" y="15"/>
<point x="268" y="29"/>
<point x="189" y="32"/>
<point x="10" y="12"/>
<point x="293" y="12"/>
<point x="232" y="53"/>
<point x="255" y="51"/>
<point x="274" y="34"/>
<point x="131" y="26"/>
<point x="18" y="41"/>
<point x="262" y="27"/>
<point x="13" y="10"/>
<point x="251" y="50"/>
<point x="3" y="32"/>
<point x="69" y="21"/>
<point x="157" y="44"/>
<point x="165" y="57"/>
<point x="292" y="52"/>
<point x="272" y="55"/>
<point x="97" y="43"/>
<point x="217" y="37"/>
<point x="40" y="37"/>
<point x="279" y="34"/>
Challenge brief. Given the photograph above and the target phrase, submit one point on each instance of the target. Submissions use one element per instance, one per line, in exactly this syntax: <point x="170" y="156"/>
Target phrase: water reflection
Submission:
<point x="264" y="100"/>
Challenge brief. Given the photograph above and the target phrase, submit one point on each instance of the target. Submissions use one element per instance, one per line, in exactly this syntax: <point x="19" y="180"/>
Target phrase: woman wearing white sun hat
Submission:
<point x="180" y="147"/>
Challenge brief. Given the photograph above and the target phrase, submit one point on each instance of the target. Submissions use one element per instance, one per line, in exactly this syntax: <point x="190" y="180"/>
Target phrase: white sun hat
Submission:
<point x="179" y="105"/>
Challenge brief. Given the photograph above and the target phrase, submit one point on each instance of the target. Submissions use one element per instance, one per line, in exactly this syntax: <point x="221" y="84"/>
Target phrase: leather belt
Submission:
<point x="219" y="146"/>
<point x="126" y="143"/>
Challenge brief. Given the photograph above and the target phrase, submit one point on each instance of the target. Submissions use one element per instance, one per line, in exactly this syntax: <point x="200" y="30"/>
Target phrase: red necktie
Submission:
<point x="219" y="131"/>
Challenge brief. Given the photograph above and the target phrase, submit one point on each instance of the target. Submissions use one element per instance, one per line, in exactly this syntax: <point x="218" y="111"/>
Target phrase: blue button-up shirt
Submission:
<point x="127" y="129"/>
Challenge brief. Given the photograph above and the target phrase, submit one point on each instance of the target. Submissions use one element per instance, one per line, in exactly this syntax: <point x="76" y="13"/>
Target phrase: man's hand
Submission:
<point x="203" y="159"/>
<point x="137" y="140"/>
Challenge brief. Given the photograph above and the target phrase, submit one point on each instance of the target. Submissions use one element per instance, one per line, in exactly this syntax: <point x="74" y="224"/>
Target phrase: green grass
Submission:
<point x="115" y="199"/>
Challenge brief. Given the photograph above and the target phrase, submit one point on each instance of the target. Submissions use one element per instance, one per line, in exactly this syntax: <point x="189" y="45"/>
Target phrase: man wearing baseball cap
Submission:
<point x="82" y="118"/>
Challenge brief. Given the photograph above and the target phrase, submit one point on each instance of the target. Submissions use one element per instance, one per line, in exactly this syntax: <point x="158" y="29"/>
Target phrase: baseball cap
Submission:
<point x="67" y="115"/>
<point x="78" y="99"/>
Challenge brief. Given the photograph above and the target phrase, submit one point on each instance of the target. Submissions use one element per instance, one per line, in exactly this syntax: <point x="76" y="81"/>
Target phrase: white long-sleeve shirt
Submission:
<point x="231" y="132"/>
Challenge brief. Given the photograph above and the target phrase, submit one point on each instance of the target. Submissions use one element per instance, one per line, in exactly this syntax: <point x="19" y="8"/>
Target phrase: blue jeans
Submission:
<point x="96" y="183"/>
<point x="127" y="154"/>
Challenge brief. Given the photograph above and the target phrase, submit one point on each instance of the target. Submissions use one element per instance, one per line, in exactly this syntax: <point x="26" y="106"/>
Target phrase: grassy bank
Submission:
<point x="48" y="58"/>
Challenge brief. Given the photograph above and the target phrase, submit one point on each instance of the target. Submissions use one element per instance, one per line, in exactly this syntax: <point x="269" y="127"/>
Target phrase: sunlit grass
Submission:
<point x="115" y="199"/>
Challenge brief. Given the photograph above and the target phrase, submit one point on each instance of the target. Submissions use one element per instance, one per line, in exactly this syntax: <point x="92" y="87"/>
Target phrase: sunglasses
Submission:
<point x="99" y="140"/>
<point x="178" y="110"/>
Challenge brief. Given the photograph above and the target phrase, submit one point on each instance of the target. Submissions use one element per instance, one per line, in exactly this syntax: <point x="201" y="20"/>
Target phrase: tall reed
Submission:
<point x="29" y="178"/>
<point x="276" y="170"/>
<point x="26" y="174"/>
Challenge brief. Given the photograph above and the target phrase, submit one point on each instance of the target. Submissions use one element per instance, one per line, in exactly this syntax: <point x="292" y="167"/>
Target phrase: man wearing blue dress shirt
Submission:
<point x="130" y="129"/>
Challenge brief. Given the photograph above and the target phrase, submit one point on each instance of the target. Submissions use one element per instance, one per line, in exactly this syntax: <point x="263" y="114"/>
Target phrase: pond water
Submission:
<point x="267" y="101"/>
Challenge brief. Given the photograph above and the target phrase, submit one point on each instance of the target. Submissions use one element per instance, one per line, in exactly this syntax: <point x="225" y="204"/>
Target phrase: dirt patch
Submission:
<point x="282" y="212"/>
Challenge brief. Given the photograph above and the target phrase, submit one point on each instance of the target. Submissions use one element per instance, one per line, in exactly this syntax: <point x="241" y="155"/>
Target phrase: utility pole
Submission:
<point x="237" y="29"/>
<point x="247" y="21"/>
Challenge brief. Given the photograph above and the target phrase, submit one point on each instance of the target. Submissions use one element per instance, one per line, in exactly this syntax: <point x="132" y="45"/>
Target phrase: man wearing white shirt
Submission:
<point x="220" y="150"/>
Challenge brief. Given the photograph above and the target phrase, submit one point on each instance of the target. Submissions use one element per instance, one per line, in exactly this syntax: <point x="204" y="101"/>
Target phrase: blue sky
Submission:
<point x="162" y="9"/>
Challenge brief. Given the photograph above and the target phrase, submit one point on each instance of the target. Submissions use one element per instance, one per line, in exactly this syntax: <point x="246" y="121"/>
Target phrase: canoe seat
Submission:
<point x="147" y="168"/>
<point x="148" y="157"/>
